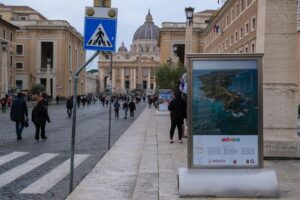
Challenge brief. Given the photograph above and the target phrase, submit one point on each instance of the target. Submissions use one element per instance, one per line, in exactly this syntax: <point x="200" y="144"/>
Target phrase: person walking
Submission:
<point x="125" y="108"/>
<point x="39" y="118"/>
<point x="116" y="107"/>
<point x="132" y="108"/>
<point x="69" y="106"/>
<point x="78" y="99"/>
<point x="18" y="114"/>
<point x="177" y="108"/>
<point x="3" y="104"/>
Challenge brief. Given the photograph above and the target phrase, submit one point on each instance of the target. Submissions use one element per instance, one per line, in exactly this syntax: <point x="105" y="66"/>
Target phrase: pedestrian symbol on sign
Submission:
<point x="99" y="38"/>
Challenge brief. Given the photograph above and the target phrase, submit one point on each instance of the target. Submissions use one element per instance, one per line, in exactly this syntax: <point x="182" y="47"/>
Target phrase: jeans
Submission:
<point x="19" y="128"/>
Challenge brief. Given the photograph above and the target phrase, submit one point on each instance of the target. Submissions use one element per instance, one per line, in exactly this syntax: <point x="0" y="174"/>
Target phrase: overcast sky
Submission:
<point x="132" y="13"/>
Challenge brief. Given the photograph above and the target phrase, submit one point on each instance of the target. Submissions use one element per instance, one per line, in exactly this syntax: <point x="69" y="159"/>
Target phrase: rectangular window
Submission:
<point x="236" y="36"/>
<point x="242" y="5"/>
<point x="232" y="14"/>
<point x="19" y="84"/>
<point x="76" y="58"/>
<point x="19" y="48"/>
<point x="145" y="72"/>
<point x="232" y="39"/>
<point x="237" y="10"/>
<point x="11" y="61"/>
<point x="227" y="20"/>
<point x="253" y="23"/>
<point x="70" y="58"/>
<point x="19" y="66"/>
<point x="47" y="54"/>
<point x="4" y="34"/>
<point x="242" y="33"/>
<point x="253" y="48"/>
<point x="247" y="28"/>
<point x="11" y="37"/>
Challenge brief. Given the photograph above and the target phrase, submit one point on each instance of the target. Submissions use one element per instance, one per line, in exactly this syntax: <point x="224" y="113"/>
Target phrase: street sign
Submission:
<point x="100" y="29"/>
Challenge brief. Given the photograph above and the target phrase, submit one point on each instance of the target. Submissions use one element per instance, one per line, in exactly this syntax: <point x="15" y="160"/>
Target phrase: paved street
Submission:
<point x="26" y="164"/>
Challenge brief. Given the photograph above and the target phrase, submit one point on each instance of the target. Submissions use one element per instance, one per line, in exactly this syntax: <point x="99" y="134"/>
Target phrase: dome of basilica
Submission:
<point x="148" y="31"/>
<point x="122" y="48"/>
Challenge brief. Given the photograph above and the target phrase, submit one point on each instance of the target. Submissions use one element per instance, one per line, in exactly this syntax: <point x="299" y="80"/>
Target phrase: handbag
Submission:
<point x="26" y="123"/>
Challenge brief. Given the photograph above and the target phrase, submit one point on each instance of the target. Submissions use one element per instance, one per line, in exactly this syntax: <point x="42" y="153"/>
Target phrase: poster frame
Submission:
<point x="191" y="58"/>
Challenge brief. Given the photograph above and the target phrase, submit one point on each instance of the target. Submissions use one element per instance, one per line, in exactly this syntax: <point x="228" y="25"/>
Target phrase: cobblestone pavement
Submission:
<point x="91" y="140"/>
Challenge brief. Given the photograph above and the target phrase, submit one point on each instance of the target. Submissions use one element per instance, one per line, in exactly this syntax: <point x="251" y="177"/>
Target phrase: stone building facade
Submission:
<point x="47" y="51"/>
<point x="133" y="69"/>
<point x="7" y="57"/>
<point x="92" y="82"/>
<point x="254" y="26"/>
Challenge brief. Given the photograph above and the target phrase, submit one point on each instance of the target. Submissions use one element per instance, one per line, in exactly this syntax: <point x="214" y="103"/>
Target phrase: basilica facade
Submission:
<point x="134" y="69"/>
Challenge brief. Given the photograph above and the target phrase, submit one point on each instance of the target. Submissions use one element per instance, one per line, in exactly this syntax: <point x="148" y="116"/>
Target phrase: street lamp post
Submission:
<point x="4" y="88"/>
<point x="189" y="32"/>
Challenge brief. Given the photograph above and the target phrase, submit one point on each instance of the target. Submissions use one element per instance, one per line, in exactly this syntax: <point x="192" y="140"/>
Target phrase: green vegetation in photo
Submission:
<point x="37" y="88"/>
<point x="168" y="76"/>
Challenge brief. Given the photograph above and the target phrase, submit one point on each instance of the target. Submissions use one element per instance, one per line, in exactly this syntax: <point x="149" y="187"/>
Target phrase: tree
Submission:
<point x="168" y="76"/>
<point x="37" y="88"/>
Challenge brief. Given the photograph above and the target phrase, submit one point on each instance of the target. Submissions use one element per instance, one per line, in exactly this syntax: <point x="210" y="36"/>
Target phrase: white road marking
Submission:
<point x="9" y="157"/>
<point x="19" y="171"/>
<point x="49" y="180"/>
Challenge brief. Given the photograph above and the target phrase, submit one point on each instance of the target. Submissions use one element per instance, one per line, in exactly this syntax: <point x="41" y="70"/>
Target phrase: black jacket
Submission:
<point x="70" y="103"/>
<point x="131" y="106"/>
<point x="18" y="110"/>
<point x="178" y="109"/>
<point x="40" y="115"/>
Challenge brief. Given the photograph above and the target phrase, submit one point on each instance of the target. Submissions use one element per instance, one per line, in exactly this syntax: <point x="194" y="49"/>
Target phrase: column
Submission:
<point x="54" y="87"/>
<point x="149" y="79"/>
<point x="277" y="39"/>
<point x="122" y="80"/>
<point x="134" y="78"/>
<point x="131" y="79"/>
<point x="48" y="77"/>
<point x="188" y="41"/>
<point x="3" y="73"/>
<point x="113" y="80"/>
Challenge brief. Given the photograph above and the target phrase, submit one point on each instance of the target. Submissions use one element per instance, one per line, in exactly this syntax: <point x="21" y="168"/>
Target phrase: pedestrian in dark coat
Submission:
<point x="69" y="106"/>
<point x="125" y="108"/>
<point x="78" y="99"/>
<point x="116" y="107"/>
<point x="132" y="108"/>
<point x="178" y="111"/>
<point x="39" y="118"/>
<point x="18" y="114"/>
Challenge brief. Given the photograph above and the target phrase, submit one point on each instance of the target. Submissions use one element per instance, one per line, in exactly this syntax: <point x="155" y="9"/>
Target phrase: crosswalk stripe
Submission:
<point x="49" y="180"/>
<point x="19" y="171"/>
<point x="9" y="157"/>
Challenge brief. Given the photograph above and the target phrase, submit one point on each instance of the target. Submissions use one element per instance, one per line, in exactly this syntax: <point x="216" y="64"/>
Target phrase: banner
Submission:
<point x="165" y="97"/>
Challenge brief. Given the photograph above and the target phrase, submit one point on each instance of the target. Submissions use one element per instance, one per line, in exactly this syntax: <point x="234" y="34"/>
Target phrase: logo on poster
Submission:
<point x="228" y="139"/>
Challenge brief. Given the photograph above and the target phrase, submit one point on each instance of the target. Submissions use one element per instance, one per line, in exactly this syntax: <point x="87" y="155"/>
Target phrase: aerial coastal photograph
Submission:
<point x="225" y="100"/>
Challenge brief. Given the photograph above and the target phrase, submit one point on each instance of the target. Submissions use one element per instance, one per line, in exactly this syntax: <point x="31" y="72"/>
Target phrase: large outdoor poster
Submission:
<point x="225" y="113"/>
<point x="165" y="97"/>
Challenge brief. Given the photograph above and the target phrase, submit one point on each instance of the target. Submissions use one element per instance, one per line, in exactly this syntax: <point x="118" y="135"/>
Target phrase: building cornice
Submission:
<point x="47" y="25"/>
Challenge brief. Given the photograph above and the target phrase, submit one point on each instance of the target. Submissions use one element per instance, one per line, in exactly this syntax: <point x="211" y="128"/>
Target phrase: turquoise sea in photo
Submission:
<point x="225" y="102"/>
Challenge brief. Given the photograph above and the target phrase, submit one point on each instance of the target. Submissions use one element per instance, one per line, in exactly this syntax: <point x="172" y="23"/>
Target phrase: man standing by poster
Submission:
<point x="177" y="108"/>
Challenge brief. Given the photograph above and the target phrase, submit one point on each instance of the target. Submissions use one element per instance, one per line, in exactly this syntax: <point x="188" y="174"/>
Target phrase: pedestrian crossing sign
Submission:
<point x="100" y="34"/>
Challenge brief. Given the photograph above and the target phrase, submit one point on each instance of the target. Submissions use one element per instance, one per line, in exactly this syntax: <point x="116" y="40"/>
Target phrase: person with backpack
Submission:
<point x="116" y="107"/>
<point x="39" y="118"/>
<point x="132" y="108"/>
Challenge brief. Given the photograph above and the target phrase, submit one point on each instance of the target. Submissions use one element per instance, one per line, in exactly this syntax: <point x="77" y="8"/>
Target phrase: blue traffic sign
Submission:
<point x="100" y="34"/>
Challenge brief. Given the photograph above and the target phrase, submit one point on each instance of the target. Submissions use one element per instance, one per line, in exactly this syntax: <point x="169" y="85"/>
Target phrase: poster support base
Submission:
<point x="162" y="113"/>
<point x="228" y="183"/>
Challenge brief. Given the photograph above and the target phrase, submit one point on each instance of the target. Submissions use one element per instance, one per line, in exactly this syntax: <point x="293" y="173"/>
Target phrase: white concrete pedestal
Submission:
<point x="228" y="183"/>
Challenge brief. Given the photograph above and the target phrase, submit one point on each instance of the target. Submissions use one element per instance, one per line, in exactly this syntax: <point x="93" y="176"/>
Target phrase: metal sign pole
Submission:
<point x="74" y="117"/>
<point x="110" y="93"/>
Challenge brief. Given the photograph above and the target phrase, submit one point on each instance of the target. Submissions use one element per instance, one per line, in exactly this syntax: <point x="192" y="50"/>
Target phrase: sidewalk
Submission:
<point x="142" y="165"/>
